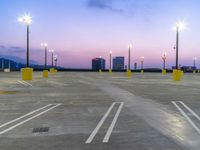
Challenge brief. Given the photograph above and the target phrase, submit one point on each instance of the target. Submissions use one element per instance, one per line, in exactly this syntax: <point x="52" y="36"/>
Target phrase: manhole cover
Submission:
<point x="40" y="130"/>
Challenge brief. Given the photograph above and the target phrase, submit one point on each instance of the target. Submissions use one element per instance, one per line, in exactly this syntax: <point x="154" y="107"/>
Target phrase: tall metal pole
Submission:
<point x="129" y="58"/>
<point x="27" y="59"/>
<point x="164" y="63"/>
<point x="45" y="66"/>
<point x="52" y="60"/>
<point x="110" y="60"/>
<point x="177" y="46"/>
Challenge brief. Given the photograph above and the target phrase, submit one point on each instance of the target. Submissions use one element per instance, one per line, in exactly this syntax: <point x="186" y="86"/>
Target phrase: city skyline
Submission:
<point x="84" y="29"/>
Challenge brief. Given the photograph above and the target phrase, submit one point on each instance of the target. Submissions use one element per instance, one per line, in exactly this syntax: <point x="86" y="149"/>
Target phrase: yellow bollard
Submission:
<point x="142" y="71"/>
<point x="27" y="73"/>
<point x="164" y="72"/>
<point x="52" y="70"/>
<point x="177" y="74"/>
<point x="129" y="73"/>
<point x="194" y="71"/>
<point x="110" y="71"/>
<point x="100" y="71"/>
<point x="45" y="73"/>
<point x="198" y="71"/>
<point x="55" y="71"/>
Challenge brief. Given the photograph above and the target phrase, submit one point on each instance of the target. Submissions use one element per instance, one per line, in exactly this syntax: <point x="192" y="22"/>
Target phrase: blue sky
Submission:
<point x="80" y="30"/>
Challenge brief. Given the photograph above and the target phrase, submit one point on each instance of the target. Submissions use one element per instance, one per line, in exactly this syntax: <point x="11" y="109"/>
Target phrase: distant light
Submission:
<point x="194" y="58"/>
<point x="130" y="46"/>
<point x="142" y="58"/>
<point x="51" y="50"/>
<point x="27" y="19"/>
<point x="100" y="56"/>
<point x="44" y="44"/>
<point x="110" y="52"/>
<point x="180" y="26"/>
<point x="164" y="55"/>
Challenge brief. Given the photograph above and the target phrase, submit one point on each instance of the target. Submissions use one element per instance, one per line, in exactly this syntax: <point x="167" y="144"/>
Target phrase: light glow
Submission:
<point x="27" y="19"/>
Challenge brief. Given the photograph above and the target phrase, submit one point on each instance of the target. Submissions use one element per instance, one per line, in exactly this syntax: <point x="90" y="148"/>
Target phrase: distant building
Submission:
<point x="118" y="63"/>
<point x="98" y="63"/>
<point x="188" y="68"/>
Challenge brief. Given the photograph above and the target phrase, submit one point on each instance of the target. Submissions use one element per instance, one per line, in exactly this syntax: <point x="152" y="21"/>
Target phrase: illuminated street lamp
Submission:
<point x="179" y="26"/>
<point x="45" y="48"/>
<point x="26" y="19"/>
<point x="110" y="61"/>
<point x="164" y="57"/>
<point x="129" y="56"/>
<point x="52" y="52"/>
<point x="142" y="62"/>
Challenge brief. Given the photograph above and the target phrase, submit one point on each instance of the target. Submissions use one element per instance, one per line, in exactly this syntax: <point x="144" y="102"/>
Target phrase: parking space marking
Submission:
<point x="112" y="125"/>
<point x="91" y="137"/>
<point x="110" y="129"/>
<point x="24" y="83"/>
<point x="57" y="83"/>
<point x="7" y="123"/>
<point x="185" y="115"/>
<point x="31" y="118"/>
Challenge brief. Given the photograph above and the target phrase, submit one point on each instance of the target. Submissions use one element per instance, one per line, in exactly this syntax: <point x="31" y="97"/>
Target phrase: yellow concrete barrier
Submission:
<point x="177" y="74"/>
<point x="27" y="74"/>
<point x="110" y="71"/>
<point x="52" y="71"/>
<point x="45" y="73"/>
<point x="55" y="70"/>
<point x="164" y="72"/>
<point x="129" y="73"/>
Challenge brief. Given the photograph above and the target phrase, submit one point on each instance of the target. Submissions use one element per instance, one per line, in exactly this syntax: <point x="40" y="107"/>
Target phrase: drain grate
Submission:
<point x="40" y="130"/>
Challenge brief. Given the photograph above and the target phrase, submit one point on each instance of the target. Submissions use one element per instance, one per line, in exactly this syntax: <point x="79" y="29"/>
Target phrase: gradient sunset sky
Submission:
<point x="80" y="30"/>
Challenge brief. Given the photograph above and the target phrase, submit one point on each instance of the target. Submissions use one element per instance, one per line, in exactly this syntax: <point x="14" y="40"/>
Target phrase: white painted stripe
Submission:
<point x="190" y="110"/>
<point x="110" y="129"/>
<point x="27" y="83"/>
<point x="91" y="137"/>
<point x="57" y="83"/>
<point x="21" y="82"/>
<point x="186" y="116"/>
<point x="12" y="127"/>
<point x="7" y="123"/>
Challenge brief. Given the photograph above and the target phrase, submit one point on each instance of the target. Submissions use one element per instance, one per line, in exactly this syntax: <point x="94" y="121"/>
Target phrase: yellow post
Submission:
<point x="100" y="71"/>
<point x="194" y="71"/>
<point x="110" y="71"/>
<point x="198" y="71"/>
<point x="129" y="73"/>
<point x="27" y="74"/>
<point x="142" y="71"/>
<point x="55" y="70"/>
<point x="164" y="72"/>
<point x="52" y="70"/>
<point x="177" y="74"/>
<point x="45" y="73"/>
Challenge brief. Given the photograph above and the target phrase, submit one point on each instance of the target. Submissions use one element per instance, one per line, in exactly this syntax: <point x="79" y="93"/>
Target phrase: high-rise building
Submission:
<point x="98" y="63"/>
<point x="118" y="63"/>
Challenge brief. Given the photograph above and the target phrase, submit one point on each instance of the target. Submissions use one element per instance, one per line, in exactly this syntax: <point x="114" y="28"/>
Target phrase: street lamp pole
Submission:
<point x="129" y="56"/>
<point x="110" y="60"/>
<point x="142" y="62"/>
<point x="52" y="51"/>
<point x="177" y="45"/>
<point x="45" y="45"/>
<point x="26" y="19"/>
<point x="164" y="57"/>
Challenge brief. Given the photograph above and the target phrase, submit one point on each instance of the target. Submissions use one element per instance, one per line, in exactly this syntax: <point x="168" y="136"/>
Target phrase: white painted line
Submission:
<point x="186" y="116"/>
<point x="7" y="123"/>
<point x="110" y="129"/>
<point x="12" y="127"/>
<point x="91" y="137"/>
<point x="27" y="83"/>
<point x="24" y="83"/>
<point x="57" y="83"/>
<point x="190" y="110"/>
<point x="21" y="82"/>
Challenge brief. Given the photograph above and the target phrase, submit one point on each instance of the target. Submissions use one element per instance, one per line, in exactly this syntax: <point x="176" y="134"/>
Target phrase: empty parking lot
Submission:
<point x="87" y="111"/>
